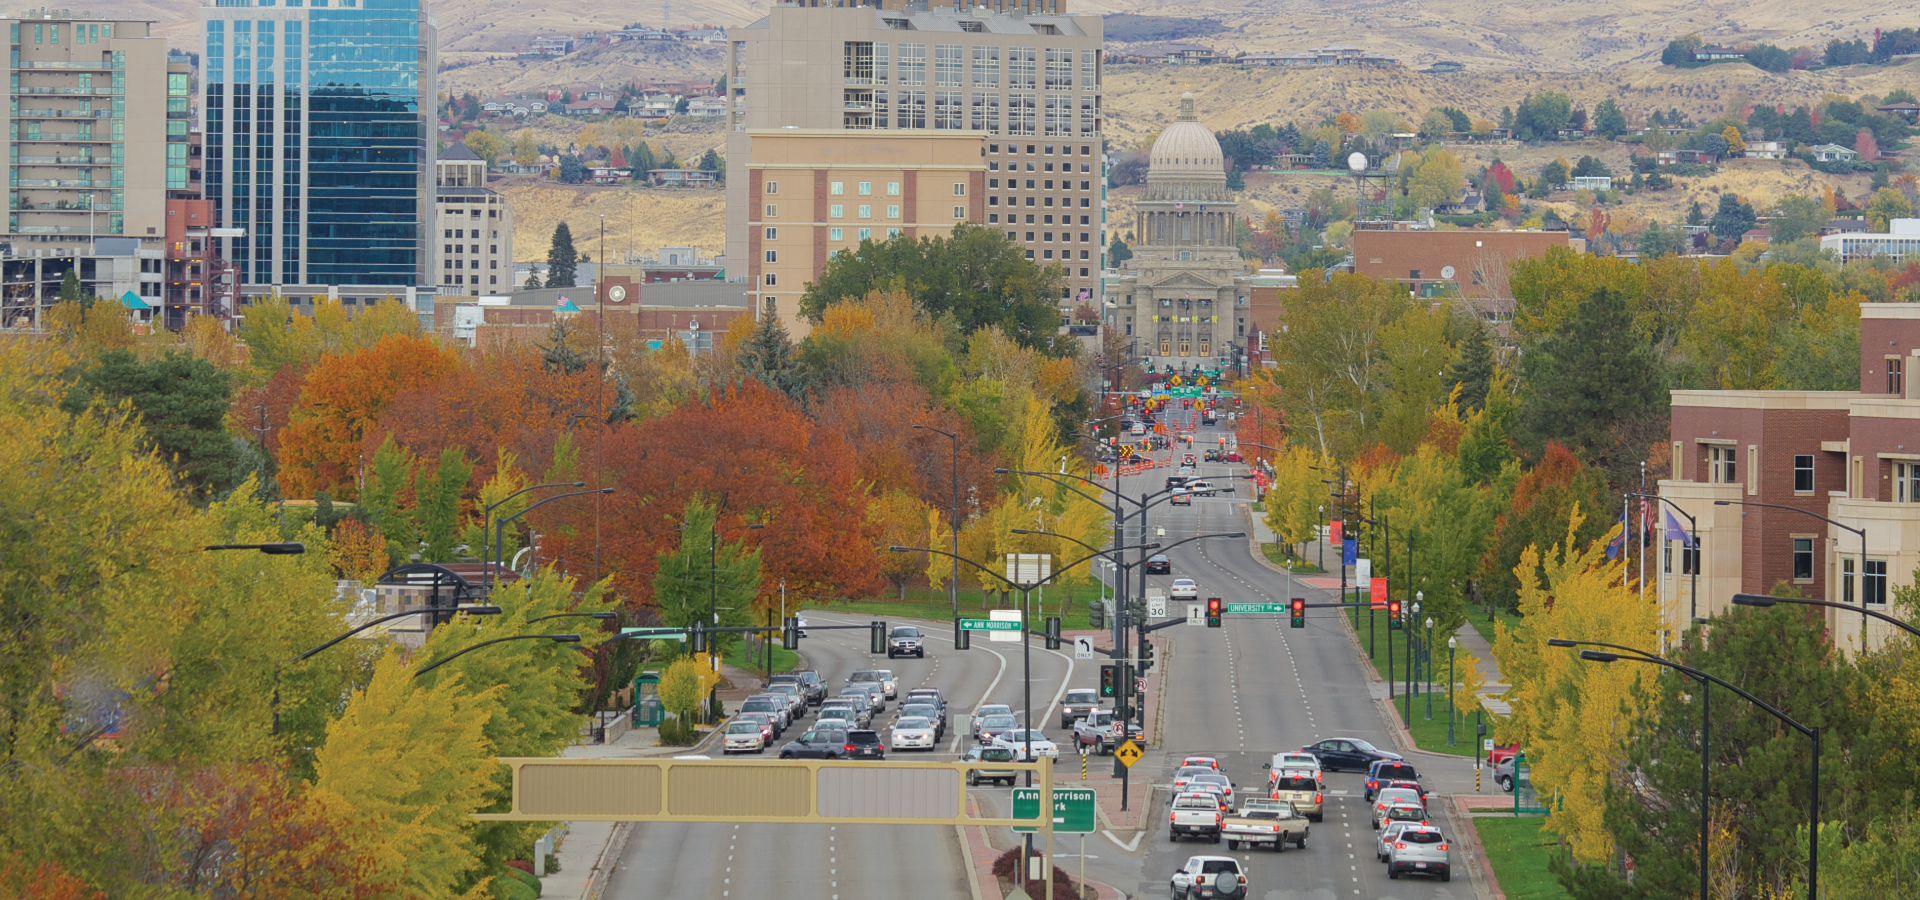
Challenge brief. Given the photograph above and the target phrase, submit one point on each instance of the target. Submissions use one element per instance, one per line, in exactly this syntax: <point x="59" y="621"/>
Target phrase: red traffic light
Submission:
<point x="1213" y="606"/>
<point x="1299" y="606"/>
<point x="1393" y="609"/>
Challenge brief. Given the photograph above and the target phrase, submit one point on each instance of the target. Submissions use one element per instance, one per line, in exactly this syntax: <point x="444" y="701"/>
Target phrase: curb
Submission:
<point x="1487" y="886"/>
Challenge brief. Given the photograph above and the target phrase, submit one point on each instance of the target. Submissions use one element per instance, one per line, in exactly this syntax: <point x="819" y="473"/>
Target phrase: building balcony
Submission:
<point x="65" y="229"/>
<point x="66" y="91"/>
<point x="105" y="65"/>
<point x="64" y="138"/>
<point x="64" y="114"/>
<point x="64" y="161"/>
<point x="63" y="183"/>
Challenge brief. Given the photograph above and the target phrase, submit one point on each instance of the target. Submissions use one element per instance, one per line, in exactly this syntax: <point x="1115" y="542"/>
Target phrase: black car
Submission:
<point x="820" y="743"/>
<point x="1174" y="481"/>
<point x="1347" y="753"/>
<point x="863" y="743"/>
<point x="1158" y="564"/>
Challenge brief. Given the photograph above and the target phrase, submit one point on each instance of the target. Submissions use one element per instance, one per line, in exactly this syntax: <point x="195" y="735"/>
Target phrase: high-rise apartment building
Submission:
<point x="1023" y="78"/>
<point x="475" y="227"/>
<point x="89" y="114"/>
<point x="318" y="144"/>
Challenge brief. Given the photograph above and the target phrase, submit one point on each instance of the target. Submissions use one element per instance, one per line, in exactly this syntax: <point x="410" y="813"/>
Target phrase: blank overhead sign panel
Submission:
<point x="669" y="790"/>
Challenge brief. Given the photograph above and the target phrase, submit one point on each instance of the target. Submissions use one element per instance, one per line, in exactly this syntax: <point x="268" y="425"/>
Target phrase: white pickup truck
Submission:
<point x="1209" y="878"/>
<point x="1194" y="813"/>
<point x="1264" y="821"/>
<point x="1095" y="731"/>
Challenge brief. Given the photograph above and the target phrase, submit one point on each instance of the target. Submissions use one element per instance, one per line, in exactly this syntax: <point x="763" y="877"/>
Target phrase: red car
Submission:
<point x="1500" y="754"/>
<point x="1232" y="456"/>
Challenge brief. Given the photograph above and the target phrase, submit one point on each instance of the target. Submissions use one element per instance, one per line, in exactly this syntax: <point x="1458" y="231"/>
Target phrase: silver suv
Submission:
<point x="904" y="641"/>
<point x="1419" y="850"/>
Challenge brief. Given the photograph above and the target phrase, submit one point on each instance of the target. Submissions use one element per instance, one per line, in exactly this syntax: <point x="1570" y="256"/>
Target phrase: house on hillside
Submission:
<point x="706" y="107"/>
<point x="1349" y="56"/>
<point x="1684" y="157"/>
<point x="1717" y="54"/>
<point x="1765" y="150"/>
<point x="1275" y="60"/>
<point x="592" y="108"/>
<point x="551" y="46"/>
<point x="681" y="177"/>
<point x="1833" y="153"/>
<point x="609" y="175"/>
<point x="1591" y="183"/>
<point x="1908" y="111"/>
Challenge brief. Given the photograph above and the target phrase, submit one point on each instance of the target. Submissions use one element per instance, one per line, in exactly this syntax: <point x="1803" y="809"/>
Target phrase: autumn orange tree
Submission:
<point x="758" y="460"/>
<point x="343" y="398"/>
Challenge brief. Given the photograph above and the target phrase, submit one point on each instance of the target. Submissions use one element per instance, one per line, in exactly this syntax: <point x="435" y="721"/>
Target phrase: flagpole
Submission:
<point x="1643" y="532"/>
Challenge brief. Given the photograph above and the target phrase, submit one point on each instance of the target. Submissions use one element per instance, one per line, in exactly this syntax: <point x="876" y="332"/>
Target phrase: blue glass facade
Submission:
<point x="316" y="143"/>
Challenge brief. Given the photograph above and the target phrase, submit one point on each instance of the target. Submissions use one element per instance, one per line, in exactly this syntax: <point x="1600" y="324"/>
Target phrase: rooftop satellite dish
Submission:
<point x="1357" y="161"/>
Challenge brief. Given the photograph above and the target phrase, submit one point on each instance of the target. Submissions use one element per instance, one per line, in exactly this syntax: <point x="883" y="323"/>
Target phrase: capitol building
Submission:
<point x="1181" y="301"/>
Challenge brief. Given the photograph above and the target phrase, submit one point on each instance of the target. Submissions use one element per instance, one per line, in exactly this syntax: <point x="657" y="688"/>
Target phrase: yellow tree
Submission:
<point x="1735" y="144"/>
<point x="1569" y="715"/>
<point x="526" y="151"/>
<point x="902" y="519"/>
<point x="1438" y="182"/>
<point x="939" y="536"/>
<point x="411" y="759"/>
<point x="1293" y="501"/>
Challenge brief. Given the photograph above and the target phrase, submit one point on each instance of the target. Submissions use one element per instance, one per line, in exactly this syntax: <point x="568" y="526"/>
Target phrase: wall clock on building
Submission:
<point x="616" y="294"/>
<point x="1445" y="272"/>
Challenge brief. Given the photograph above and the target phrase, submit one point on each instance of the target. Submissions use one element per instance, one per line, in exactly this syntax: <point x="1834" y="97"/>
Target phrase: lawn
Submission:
<point x="1477" y="616"/>
<point x="783" y="659"/>
<point x="1432" y="735"/>
<point x="1518" y="851"/>
<point x="1281" y="555"/>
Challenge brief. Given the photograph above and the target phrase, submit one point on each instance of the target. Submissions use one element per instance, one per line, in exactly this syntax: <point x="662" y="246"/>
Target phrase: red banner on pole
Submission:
<point x="1379" y="592"/>
<point x="1333" y="535"/>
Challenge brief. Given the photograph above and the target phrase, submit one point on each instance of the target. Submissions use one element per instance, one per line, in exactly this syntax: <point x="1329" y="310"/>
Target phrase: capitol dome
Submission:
<point x="1186" y="146"/>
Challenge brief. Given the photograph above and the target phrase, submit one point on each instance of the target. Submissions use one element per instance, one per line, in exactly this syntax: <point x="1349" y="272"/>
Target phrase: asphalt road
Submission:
<point x="854" y="862"/>
<point x="1255" y="687"/>
<point x="1238" y="693"/>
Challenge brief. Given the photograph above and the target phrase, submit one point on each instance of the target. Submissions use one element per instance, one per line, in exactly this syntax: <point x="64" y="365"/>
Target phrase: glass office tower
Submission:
<point x="319" y="122"/>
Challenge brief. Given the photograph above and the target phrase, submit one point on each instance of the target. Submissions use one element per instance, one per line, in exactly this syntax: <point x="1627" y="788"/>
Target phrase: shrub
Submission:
<point x="520" y="865"/>
<point x="553" y="862"/>
<point x="1064" y="887"/>
<point x="510" y="889"/>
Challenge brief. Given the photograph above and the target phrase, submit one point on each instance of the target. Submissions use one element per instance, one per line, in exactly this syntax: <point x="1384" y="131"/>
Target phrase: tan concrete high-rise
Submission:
<point x="1023" y="81"/>
<point x="88" y="131"/>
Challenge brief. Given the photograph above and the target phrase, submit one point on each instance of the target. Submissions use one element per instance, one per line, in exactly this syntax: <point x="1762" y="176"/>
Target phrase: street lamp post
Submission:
<point x="1763" y="600"/>
<point x="1409" y="634"/>
<point x="953" y="584"/>
<point x="469" y="610"/>
<point x="500" y="528"/>
<point x="1452" y="683"/>
<point x="1320" y="539"/>
<point x="1862" y="532"/>
<point x="556" y="638"/>
<point x="486" y="519"/>
<point x="1426" y="647"/>
<point x="1812" y="732"/>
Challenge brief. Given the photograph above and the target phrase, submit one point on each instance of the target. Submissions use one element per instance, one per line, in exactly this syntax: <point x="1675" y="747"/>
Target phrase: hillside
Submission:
<point x="638" y="219"/>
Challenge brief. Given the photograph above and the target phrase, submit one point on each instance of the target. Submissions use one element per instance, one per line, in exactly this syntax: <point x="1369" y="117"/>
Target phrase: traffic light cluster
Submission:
<point x="1297" y="608"/>
<point x="1053" y="632"/>
<point x="1109" y="679"/>
<point x="790" y="633"/>
<point x="877" y="642"/>
<point x="1393" y="614"/>
<point x="1213" y="612"/>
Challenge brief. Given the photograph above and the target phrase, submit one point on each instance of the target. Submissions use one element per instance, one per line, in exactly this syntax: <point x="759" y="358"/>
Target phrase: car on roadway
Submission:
<point x="1383" y="839"/>
<point x="1293" y="760"/>
<point x="1232" y="456"/>
<point x="1402" y="812"/>
<point x="926" y="711"/>
<point x="800" y="625"/>
<point x="883" y="677"/>
<point x="933" y="696"/>
<point x="1137" y="429"/>
<point x="851" y="709"/>
<point x="1183" y="779"/>
<point x="1503" y="773"/>
<point x="1420" y="850"/>
<point x="1262" y="821"/>
<point x="1079" y="704"/>
<point x="1095" y="733"/>
<point x="992" y="727"/>
<point x="906" y="640"/>
<point x="1347" y="753"/>
<point x="1207" y="761"/>
<point x="989" y="755"/>
<point x="864" y="743"/>
<point x="839" y="718"/>
<point x="1216" y="783"/>
<point x="1181" y="498"/>
<point x="868" y="694"/>
<point x="796" y="701"/>
<point x="1174" y="481"/>
<point x="1382" y="771"/>
<point x="1194" y="813"/>
<point x="1501" y="753"/>
<point x="914" y="733"/>
<point x="744" y="736"/>
<point x="1209" y="878"/>
<point x="1159" y="564"/>
<point x="991" y="709"/>
<point x="1018" y="739"/>
<point x="812" y="689"/>
<point x="1211" y="455"/>
<point x="1202" y="488"/>
<point x="1184" y="588"/>
<point x="773" y="706"/>
<point x="766" y="722"/>
<point x="1406" y="784"/>
<point x="1392" y="797"/>
<point x="1301" y="788"/>
<point x="822" y="742"/>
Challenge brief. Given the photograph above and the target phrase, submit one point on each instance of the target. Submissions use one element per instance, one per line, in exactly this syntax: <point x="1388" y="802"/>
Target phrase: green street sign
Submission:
<point x="988" y="625"/>
<point x="1186" y="391"/>
<point x="1072" y="809"/>
<point x="1256" y="607"/>
<point x="658" y="634"/>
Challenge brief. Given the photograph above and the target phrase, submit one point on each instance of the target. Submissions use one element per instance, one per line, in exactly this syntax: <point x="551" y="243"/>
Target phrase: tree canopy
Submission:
<point x="977" y="276"/>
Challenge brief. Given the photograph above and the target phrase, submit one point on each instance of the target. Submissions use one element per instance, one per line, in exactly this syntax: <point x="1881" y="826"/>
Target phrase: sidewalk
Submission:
<point x="588" y="851"/>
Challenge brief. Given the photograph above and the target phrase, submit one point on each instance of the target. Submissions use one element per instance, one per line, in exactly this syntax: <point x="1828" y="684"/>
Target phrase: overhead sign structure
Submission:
<point x="1029" y="568"/>
<point x="657" y="634"/>
<point x="1129" y="752"/>
<point x="1072" y="809"/>
<point x="988" y="625"/>
<point x="1083" y="648"/>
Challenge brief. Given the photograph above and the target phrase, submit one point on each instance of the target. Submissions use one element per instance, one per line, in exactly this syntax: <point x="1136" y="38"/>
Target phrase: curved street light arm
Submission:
<point x="1153" y="546"/>
<point x="1862" y="532"/>
<point x="1599" y="656"/>
<point x="1056" y="572"/>
<point x="469" y="610"/>
<point x="486" y="517"/>
<point x="500" y="528"/>
<point x="1055" y="475"/>
<point x="602" y="616"/>
<point x="556" y="638"/>
<point x="1763" y="601"/>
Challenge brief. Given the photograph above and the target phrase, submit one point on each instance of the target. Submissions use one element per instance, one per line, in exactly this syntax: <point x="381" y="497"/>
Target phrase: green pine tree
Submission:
<point x="438" y="503"/>
<point x="182" y="401"/>
<point x="559" y="354"/>
<point x="1595" y="386"/>
<point x="561" y="257"/>
<point x="1473" y="371"/>
<point x="701" y="577"/>
<point x="767" y="357"/>
<point x="72" y="292"/>
<point x="533" y="277"/>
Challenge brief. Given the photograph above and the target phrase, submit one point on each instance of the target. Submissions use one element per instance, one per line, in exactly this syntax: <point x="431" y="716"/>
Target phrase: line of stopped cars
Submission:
<point x="1203" y="807"/>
